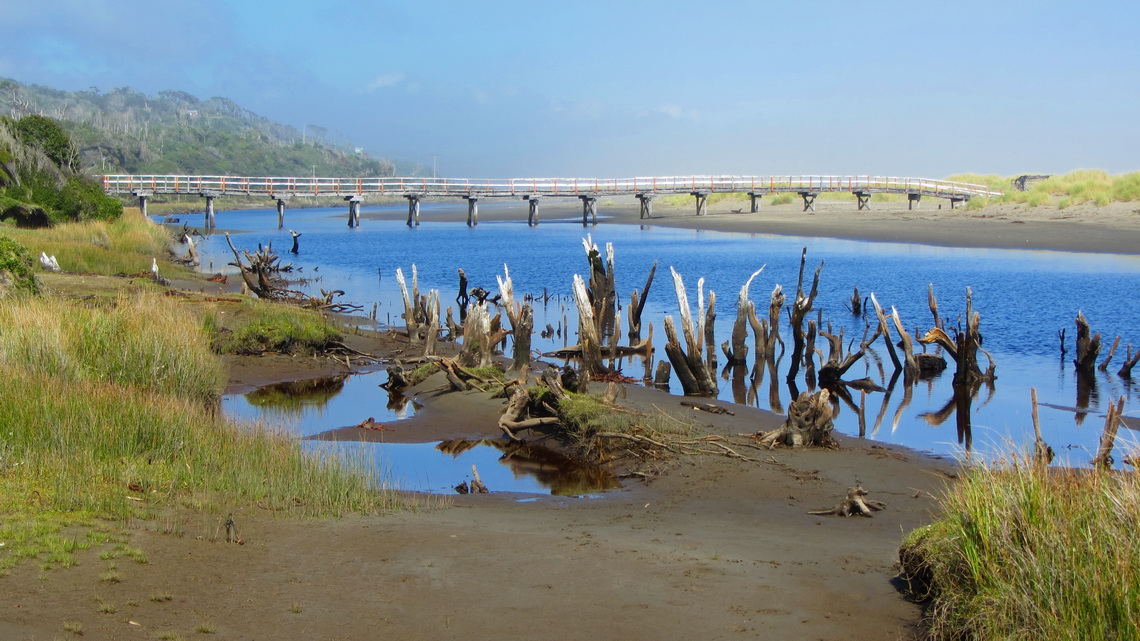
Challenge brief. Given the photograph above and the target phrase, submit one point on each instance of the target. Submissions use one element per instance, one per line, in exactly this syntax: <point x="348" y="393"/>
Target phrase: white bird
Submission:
<point x="48" y="263"/>
<point x="154" y="267"/>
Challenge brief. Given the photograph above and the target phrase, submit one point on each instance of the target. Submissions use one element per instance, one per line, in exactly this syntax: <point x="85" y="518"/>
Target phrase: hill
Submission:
<point x="127" y="131"/>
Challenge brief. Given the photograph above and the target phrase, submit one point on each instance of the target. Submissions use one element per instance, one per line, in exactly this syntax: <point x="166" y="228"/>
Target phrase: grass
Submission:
<point x="1025" y="553"/>
<point x="125" y="246"/>
<point x="121" y="399"/>
<point x="1083" y="186"/>
<point x="257" y="326"/>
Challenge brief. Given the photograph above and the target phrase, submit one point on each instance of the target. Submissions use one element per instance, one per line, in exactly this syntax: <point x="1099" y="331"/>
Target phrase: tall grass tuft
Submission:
<point x="144" y="340"/>
<point x="125" y="246"/>
<point x="257" y="326"/>
<point x="1026" y="553"/>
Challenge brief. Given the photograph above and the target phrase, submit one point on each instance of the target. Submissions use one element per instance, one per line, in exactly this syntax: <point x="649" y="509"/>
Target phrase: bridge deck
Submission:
<point x="282" y="187"/>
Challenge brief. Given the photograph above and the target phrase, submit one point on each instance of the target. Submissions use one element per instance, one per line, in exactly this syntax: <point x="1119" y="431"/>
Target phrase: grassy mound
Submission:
<point x="1023" y="553"/>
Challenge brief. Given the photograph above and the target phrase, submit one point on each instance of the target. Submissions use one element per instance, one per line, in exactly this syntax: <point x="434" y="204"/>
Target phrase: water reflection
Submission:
<point x="293" y="397"/>
<point x="562" y="474"/>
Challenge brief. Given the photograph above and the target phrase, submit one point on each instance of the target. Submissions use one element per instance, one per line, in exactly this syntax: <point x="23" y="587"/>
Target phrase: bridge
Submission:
<point x="588" y="190"/>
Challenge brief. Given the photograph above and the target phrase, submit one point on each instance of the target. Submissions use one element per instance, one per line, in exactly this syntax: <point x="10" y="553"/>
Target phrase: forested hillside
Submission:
<point x="126" y="131"/>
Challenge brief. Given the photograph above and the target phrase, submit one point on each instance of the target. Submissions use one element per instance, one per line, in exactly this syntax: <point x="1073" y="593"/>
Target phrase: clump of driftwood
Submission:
<point x="809" y="423"/>
<point x="688" y="361"/>
<point x="261" y="273"/>
<point x="854" y="504"/>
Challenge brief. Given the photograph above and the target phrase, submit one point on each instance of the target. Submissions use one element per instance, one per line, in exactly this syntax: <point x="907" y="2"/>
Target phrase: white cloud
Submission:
<point x="678" y="113"/>
<point x="384" y="80"/>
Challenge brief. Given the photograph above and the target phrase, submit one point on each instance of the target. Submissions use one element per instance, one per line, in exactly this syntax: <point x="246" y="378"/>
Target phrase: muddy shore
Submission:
<point x="712" y="548"/>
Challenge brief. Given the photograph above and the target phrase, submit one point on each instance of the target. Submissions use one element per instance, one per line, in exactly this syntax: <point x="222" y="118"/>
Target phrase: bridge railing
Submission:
<point x="396" y="186"/>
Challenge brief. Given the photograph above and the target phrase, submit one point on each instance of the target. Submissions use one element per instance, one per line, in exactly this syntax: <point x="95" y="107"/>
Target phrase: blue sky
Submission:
<point x="617" y="89"/>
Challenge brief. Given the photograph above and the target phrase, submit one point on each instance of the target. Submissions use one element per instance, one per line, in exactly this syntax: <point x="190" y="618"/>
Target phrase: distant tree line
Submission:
<point x="126" y="131"/>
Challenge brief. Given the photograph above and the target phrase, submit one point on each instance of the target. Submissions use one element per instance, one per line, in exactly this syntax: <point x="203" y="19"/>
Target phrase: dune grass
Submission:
<point x="1083" y="186"/>
<point x="110" y="412"/>
<point x="124" y="246"/>
<point x="1026" y="553"/>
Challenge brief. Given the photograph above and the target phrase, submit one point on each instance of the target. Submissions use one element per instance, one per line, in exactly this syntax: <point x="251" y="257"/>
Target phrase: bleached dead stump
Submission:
<point x="410" y="322"/>
<point x="1104" y="458"/>
<point x="589" y="337"/>
<point x="603" y="293"/>
<point x="637" y="306"/>
<point x="477" y="341"/>
<point x="745" y="311"/>
<point x="521" y="317"/>
<point x="809" y="423"/>
<point x="696" y="379"/>
<point x="800" y="308"/>
<point x="432" y="327"/>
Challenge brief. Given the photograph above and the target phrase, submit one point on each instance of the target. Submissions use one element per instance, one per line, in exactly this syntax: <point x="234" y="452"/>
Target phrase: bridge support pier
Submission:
<point x="589" y="210"/>
<point x="702" y="201"/>
<point x="532" y="215"/>
<point x="472" y="211"/>
<point x="754" y="201"/>
<point x="913" y="199"/>
<point x="646" y="205"/>
<point x="864" y="198"/>
<point x="954" y="202"/>
<point x="210" y="223"/>
<point x="353" y="210"/>
<point x="142" y="196"/>
<point x="809" y="200"/>
<point x="413" y="210"/>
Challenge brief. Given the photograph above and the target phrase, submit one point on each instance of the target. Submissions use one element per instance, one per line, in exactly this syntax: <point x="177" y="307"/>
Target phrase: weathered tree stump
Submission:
<point x="637" y="305"/>
<point x="800" y="308"/>
<point x="809" y="423"/>
<point x="1088" y="347"/>
<point x="854" y="504"/>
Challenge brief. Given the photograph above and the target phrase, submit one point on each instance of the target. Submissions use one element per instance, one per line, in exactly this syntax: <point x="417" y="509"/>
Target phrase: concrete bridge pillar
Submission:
<point x="913" y="199"/>
<point x="472" y="211"/>
<point x="864" y="198"/>
<point x="646" y="205"/>
<point x="353" y="210"/>
<point x="702" y="201"/>
<point x="588" y="209"/>
<point x="957" y="199"/>
<point x="754" y="201"/>
<point x="809" y="199"/>
<point x="532" y="215"/>
<point x="210" y="223"/>
<point x="143" y="195"/>
<point x="413" y="210"/>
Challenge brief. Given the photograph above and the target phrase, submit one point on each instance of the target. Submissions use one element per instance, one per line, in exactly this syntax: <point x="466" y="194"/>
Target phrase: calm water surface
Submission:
<point x="1024" y="297"/>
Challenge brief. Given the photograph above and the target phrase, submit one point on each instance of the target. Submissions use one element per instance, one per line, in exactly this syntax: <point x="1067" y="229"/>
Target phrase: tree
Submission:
<point x="50" y="137"/>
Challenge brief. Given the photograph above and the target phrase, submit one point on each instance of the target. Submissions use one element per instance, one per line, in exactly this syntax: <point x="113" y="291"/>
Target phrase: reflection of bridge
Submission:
<point x="588" y="190"/>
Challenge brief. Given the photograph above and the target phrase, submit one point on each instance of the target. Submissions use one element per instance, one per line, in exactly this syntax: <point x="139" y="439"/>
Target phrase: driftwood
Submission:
<point x="411" y="321"/>
<point x="809" y="423"/>
<point x="588" y="330"/>
<point x="687" y="361"/>
<point x="431" y="327"/>
<point x="745" y="312"/>
<point x="521" y="317"/>
<point x="1042" y="453"/>
<point x="513" y="418"/>
<point x="964" y="348"/>
<point x="637" y="305"/>
<point x="1104" y="458"/>
<point x="1088" y="346"/>
<point x="854" y="504"/>
<point x="1129" y="363"/>
<point x="478" y="339"/>
<point x="800" y="308"/>
<point x="601" y="290"/>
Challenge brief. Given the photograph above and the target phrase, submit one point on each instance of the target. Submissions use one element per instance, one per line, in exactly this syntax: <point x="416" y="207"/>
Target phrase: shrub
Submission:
<point x="16" y="267"/>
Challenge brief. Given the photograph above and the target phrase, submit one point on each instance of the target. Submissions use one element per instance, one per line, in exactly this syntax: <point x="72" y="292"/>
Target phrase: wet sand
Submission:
<point x="712" y="548"/>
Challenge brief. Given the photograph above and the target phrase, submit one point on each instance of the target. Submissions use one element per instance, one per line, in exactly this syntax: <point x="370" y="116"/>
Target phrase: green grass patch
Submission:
<point x="1024" y="553"/>
<point x="124" y="246"/>
<point x="257" y="327"/>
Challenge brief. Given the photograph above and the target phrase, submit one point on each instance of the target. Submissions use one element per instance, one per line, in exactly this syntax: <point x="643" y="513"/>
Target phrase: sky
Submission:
<point x="489" y="89"/>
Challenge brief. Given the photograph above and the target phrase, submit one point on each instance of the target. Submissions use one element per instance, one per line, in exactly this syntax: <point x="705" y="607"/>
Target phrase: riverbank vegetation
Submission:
<point x="1078" y="187"/>
<point x="1022" y="552"/>
<point x="110" y="413"/>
